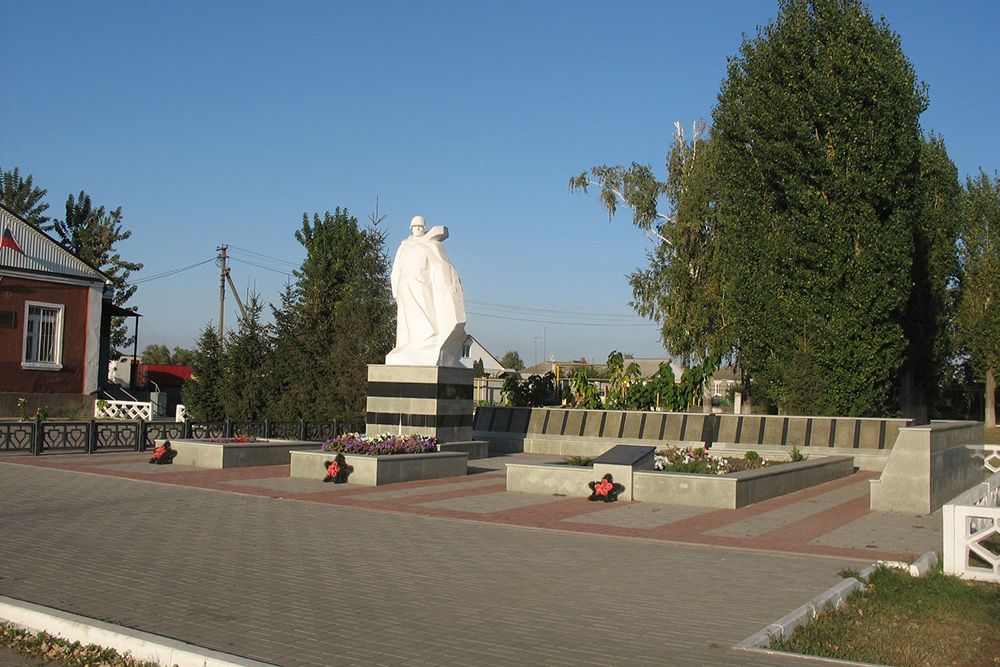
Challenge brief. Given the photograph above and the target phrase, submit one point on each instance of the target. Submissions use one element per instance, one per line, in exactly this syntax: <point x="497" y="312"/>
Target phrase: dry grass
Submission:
<point x="906" y="621"/>
<point x="993" y="436"/>
<point x="53" y="650"/>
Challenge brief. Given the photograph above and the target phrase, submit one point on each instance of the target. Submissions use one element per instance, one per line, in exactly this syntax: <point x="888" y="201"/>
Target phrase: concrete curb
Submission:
<point x="831" y="599"/>
<point x="141" y="645"/>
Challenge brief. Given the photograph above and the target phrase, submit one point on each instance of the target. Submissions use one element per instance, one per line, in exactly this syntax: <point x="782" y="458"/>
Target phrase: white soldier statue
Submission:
<point x="430" y="308"/>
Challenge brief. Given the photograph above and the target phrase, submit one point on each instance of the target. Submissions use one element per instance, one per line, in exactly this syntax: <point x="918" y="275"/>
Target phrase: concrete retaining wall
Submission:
<point x="739" y="489"/>
<point x="592" y="432"/>
<point x="219" y="455"/>
<point x="724" y="491"/>
<point x="929" y="465"/>
<point x="585" y="432"/>
<point x="549" y="479"/>
<point x="868" y="441"/>
<point x="378" y="470"/>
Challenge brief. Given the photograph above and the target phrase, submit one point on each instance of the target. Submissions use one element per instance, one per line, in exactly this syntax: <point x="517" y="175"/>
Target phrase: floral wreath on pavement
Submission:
<point x="337" y="470"/>
<point x="606" y="489"/>
<point x="164" y="454"/>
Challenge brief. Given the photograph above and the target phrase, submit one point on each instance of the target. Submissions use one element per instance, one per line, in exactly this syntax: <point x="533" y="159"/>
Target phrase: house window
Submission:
<point x="43" y="324"/>
<point x="466" y="350"/>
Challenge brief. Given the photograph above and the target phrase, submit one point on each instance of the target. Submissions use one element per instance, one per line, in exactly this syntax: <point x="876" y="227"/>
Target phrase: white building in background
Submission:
<point x="473" y="351"/>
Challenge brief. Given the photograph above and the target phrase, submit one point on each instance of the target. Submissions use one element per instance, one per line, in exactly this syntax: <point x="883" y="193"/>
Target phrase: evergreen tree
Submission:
<point x="91" y="234"/>
<point x="20" y="196"/>
<point x="978" y="316"/>
<point x="202" y="394"/>
<point x="335" y="320"/>
<point x="245" y="391"/>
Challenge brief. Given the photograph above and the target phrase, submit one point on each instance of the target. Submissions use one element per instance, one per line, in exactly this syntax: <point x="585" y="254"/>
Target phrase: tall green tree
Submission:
<point x="819" y="149"/>
<point x="202" y="394"/>
<point x="684" y="286"/>
<point x="934" y="276"/>
<point x="22" y="197"/>
<point x="246" y="389"/>
<point x="336" y="319"/>
<point x="92" y="234"/>
<point x="978" y="316"/>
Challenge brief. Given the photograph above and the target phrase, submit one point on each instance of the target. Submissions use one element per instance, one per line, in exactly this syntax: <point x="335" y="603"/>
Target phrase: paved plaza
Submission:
<point x="457" y="571"/>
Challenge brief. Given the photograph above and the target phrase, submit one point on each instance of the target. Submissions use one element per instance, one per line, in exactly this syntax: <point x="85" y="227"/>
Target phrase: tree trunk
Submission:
<point x="991" y="392"/>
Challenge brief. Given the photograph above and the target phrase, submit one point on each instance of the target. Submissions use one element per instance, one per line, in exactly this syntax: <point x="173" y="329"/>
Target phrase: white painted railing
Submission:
<point x="127" y="410"/>
<point x="972" y="532"/>
<point x="992" y="458"/>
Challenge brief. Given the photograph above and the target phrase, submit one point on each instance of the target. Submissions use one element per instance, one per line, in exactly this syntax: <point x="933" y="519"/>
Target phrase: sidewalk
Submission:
<point x="456" y="571"/>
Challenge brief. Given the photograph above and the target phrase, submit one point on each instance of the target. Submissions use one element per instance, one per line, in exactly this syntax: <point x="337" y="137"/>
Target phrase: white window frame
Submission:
<point x="29" y="350"/>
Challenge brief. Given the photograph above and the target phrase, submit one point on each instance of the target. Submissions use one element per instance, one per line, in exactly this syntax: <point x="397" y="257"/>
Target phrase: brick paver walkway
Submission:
<point x="297" y="572"/>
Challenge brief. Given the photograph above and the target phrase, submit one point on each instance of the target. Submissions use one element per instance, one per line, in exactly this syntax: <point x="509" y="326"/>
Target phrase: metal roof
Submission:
<point x="41" y="253"/>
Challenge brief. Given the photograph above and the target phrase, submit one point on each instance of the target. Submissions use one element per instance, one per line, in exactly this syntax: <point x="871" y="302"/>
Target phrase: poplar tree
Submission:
<point x="819" y="149"/>
<point x="978" y="316"/>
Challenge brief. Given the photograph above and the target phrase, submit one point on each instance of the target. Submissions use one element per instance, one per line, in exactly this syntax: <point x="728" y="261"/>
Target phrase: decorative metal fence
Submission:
<point x="38" y="437"/>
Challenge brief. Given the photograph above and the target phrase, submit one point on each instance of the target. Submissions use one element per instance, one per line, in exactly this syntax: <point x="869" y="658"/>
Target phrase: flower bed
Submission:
<point x="699" y="461"/>
<point x="724" y="490"/>
<point x="383" y="444"/>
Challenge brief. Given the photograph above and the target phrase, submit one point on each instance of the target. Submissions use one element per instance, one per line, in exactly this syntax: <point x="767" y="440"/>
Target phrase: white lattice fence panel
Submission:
<point x="993" y="458"/>
<point x="972" y="533"/>
<point x="126" y="410"/>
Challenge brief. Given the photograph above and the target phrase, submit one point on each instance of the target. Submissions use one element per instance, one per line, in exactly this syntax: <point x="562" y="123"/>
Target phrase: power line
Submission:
<point x="261" y="266"/>
<point x="575" y="324"/>
<point x="259" y="254"/>
<point x="169" y="273"/>
<point x="550" y="311"/>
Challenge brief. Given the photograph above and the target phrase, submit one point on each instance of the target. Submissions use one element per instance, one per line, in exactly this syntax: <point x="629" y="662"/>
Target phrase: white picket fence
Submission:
<point x="972" y="531"/>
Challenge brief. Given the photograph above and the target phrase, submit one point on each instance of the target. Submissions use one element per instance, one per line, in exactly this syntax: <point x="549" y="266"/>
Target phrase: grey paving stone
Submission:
<point x="240" y="574"/>
<point x="486" y="503"/>
<point x="768" y="521"/>
<point x="640" y="515"/>
<point x="890" y="531"/>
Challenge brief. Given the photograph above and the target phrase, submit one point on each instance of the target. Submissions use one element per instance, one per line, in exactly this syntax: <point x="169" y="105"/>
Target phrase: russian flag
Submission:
<point x="9" y="242"/>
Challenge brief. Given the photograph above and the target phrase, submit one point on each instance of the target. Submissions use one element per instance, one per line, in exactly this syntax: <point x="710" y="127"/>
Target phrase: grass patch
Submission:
<point x="70" y="654"/>
<point x="908" y="621"/>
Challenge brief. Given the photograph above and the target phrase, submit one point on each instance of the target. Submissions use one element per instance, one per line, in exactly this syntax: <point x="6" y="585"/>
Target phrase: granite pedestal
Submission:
<point x="428" y="400"/>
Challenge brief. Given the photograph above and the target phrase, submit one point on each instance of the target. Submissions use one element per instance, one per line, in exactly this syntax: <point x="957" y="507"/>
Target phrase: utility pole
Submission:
<point x="222" y="289"/>
<point x="222" y="286"/>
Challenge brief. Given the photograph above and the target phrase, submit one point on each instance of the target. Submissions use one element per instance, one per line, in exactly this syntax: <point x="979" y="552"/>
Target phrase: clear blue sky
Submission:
<point x="216" y="123"/>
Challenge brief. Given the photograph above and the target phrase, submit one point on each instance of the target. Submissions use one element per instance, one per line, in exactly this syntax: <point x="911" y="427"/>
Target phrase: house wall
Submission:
<point x="72" y="378"/>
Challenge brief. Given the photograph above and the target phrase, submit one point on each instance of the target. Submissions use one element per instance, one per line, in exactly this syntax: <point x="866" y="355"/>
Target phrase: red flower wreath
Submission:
<point x="164" y="454"/>
<point x="337" y="470"/>
<point x="605" y="489"/>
